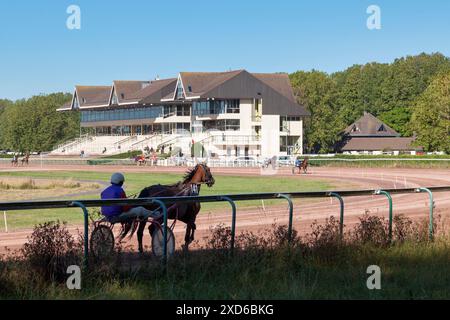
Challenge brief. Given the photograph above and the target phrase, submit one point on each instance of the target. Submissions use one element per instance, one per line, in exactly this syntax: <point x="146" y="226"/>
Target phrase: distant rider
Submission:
<point x="298" y="163"/>
<point x="122" y="213"/>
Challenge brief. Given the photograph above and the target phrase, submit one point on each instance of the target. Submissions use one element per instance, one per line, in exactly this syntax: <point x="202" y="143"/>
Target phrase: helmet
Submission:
<point x="117" y="178"/>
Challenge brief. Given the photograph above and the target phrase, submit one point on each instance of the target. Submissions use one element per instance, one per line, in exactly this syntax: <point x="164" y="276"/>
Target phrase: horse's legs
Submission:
<point x="140" y="234"/>
<point x="194" y="226"/>
<point x="187" y="236"/>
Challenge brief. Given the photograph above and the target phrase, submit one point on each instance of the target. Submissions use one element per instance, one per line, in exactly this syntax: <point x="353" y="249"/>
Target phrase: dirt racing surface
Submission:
<point x="305" y="210"/>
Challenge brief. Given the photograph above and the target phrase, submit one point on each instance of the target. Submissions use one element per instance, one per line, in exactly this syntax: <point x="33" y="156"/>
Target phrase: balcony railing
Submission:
<point x="235" y="139"/>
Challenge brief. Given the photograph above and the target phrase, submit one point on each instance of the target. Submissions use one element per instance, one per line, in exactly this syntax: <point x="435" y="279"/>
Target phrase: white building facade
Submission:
<point x="201" y="114"/>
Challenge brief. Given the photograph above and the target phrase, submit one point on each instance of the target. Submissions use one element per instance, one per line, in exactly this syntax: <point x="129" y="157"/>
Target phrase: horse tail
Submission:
<point x="134" y="227"/>
<point x="126" y="226"/>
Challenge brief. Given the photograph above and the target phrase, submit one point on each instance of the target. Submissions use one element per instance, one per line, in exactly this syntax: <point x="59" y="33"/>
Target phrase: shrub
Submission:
<point x="51" y="249"/>
<point x="220" y="237"/>
<point x="371" y="230"/>
<point x="402" y="228"/>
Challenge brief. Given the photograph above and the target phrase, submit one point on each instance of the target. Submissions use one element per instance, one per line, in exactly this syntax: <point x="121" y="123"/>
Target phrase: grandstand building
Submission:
<point x="203" y="114"/>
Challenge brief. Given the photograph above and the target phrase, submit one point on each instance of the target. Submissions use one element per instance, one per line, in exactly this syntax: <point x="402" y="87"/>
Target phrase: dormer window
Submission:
<point x="122" y="96"/>
<point x="180" y="93"/>
<point x="381" y="128"/>
<point x="75" y="102"/>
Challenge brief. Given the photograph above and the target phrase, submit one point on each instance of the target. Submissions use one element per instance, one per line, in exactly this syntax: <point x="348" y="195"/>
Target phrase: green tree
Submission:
<point x="388" y="91"/>
<point x="315" y="90"/>
<point x="407" y="78"/>
<point x="35" y="125"/>
<point x="431" y="116"/>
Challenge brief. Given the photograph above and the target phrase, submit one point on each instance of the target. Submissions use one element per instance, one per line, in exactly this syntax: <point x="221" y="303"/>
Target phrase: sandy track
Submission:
<point x="305" y="210"/>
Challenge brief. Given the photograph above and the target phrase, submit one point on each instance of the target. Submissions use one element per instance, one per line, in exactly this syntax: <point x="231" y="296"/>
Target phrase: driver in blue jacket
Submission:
<point x="122" y="213"/>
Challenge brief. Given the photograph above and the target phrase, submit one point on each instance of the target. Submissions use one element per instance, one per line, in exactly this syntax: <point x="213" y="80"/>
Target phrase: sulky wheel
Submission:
<point x="157" y="242"/>
<point x="102" y="242"/>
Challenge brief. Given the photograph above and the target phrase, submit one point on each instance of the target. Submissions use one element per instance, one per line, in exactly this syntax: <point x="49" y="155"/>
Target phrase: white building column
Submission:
<point x="270" y="135"/>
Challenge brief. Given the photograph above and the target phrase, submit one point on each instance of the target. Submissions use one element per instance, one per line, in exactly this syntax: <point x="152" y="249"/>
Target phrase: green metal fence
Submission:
<point x="231" y="199"/>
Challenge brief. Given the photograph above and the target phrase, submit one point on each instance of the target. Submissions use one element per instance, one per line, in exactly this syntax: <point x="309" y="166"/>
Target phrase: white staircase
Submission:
<point x="95" y="145"/>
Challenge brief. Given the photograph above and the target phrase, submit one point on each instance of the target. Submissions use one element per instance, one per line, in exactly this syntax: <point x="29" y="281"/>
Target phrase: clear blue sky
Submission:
<point x="137" y="39"/>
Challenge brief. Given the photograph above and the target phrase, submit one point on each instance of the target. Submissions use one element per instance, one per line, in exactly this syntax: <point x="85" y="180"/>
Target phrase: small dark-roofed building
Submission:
<point x="369" y="134"/>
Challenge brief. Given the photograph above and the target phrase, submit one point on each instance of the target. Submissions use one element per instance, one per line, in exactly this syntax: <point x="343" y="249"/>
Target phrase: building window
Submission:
<point x="289" y="143"/>
<point x="232" y="125"/>
<point x="183" y="110"/>
<point x="75" y="103"/>
<point x="183" y="126"/>
<point x="121" y="114"/>
<point x="232" y="106"/>
<point x="222" y="125"/>
<point x="114" y="98"/>
<point x="169" y="111"/>
<point x="180" y="94"/>
<point x="284" y="122"/>
<point x="215" y="107"/>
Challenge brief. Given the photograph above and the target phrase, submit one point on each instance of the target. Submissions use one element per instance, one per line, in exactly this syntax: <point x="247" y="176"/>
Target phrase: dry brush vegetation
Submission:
<point x="319" y="265"/>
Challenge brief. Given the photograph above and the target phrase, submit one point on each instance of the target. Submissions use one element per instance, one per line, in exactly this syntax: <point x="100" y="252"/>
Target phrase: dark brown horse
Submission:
<point x="186" y="212"/>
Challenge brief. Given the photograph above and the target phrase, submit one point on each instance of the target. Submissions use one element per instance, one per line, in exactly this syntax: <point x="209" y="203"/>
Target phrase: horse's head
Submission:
<point x="200" y="174"/>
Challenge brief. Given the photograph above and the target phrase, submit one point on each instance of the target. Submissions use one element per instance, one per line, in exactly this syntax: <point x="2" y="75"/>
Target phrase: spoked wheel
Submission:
<point x="158" y="242"/>
<point x="102" y="241"/>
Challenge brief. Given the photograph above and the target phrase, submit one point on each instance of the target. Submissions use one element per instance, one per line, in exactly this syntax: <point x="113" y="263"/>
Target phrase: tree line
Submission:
<point x="411" y="94"/>
<point x="34" y="124"/>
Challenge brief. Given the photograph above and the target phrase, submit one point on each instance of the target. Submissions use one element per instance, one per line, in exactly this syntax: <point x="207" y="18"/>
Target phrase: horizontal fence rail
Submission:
<point x="43" y="204"/>
<point x="231" y="199"/>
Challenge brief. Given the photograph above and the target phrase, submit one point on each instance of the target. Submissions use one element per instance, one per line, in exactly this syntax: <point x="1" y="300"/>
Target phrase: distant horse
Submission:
<point x="186" y="212"/>
<point x="25" y="159"/>
<point x="15" y="161"/>
<point x="140" y="160"/>
<point x="303" y="166"/>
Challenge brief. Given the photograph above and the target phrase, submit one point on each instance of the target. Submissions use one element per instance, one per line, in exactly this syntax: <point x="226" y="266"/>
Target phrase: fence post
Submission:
<point x="388" y="195"/>
<point x="430" y="227"/>
<point x="291" y="214"/>
<point x="341" y="215"/>
<point x="164" y="208"/>
<point x="6" y="223"/>
<point x="233" y="220"/>
<point x="86" y="230"/>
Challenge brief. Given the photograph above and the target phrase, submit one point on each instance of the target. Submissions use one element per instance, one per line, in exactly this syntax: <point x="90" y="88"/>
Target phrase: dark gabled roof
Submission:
<point x="380" y="144"/>
<point x="200" y="83"/>
<point x="125" y="90"/>
<point x="92" y="95"/>
<point x="156" y="90"/>
<point x="197" y="83"/>
<point x="274" y="89"/>
<point x="278" y="81"/>
<point x="370" y="126"/>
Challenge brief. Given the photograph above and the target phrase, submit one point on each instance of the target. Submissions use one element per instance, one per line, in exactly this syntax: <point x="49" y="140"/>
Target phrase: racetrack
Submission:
<point x="305" y="210"/>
